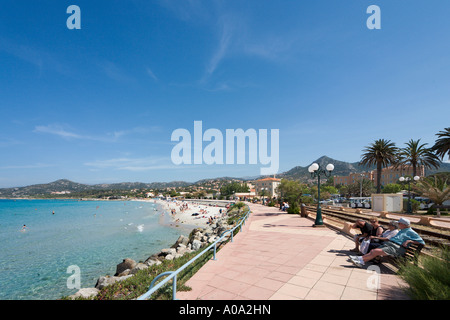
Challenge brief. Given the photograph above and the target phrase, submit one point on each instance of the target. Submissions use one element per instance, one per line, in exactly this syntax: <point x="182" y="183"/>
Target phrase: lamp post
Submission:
<point x="408" y="180"/>
<point x="316" y="171"/>
<point x="263" y="194"/>
<point x="360" y="189"/>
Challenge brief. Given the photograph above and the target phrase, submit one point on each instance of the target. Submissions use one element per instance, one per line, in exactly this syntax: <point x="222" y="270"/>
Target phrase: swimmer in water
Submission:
<point x="53" y="212"/>
<point x="24" y="228"/>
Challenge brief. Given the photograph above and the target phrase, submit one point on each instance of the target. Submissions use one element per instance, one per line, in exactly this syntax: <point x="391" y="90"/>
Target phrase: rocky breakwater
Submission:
<point x="197" y="239"/>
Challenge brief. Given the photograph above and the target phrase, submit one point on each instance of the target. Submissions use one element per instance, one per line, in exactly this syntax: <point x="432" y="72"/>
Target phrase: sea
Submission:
<point x="63" y="239"/>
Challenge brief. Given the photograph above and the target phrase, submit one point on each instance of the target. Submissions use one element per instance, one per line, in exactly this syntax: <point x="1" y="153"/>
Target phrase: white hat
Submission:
<point x="404" y="221"/>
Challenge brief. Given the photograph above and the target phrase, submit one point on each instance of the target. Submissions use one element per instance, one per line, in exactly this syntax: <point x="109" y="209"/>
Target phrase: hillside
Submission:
<point x="64" y="185"/>
<point x="341" y="168"/>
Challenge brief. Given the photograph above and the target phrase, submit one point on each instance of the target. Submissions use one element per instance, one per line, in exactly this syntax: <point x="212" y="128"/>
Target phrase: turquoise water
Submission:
<point x="93" y="235"/>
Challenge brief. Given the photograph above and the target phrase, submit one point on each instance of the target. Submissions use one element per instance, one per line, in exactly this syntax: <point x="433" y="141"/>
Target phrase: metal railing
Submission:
<point x="173" y="274"/>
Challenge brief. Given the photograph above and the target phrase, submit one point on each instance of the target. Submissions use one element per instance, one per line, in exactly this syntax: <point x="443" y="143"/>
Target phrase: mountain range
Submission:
<point x="341" y="168"/>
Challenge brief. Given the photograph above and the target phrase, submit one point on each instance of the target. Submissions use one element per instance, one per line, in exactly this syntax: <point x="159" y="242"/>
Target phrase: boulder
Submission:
<point x="85" y="293"/>
<point x="124" y="273"/>
<point x="212" y="239"/>
<point x="181" y="249"/>
<point x="107" y="280"/>
<point x="126" y="264"/>
<point x="169" y="257"/>
<point x="196" y="244"/>
<point x="139" y="266"/>
<point x="149" y="262"/>
<point x="196" y="234"/>
<point x="181" y="240"/>
<point x="171" y="251"/>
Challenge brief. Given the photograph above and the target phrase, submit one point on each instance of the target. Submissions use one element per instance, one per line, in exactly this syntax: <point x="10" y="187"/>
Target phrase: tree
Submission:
<point x="442" y="145"/>
<point x="434" y="188"/>
<point x="233" y="187"/>
<point x="416" y="154"/>
<point x="354" y="189"/>
<point x="380" y="153"/>
<point x="291" y="190"/>
<point x="392" y="188"/>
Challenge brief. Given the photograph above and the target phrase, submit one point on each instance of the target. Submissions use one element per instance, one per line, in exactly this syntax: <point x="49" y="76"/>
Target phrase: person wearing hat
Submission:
<point x="396" y="246"/>
<point x="377" y="241"/>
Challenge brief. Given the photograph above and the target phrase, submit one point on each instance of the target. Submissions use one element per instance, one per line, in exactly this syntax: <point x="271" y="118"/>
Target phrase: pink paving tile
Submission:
<point x="270" y="284"/>
<point x="257" y="293"/>
<point x="218" y="294"/>
<point x="280" y="276"/>
<point x="250" y="278"/>
<point x="288" y="269"/>
<point x="198" y="290"/>
<point x="294" y="291"/>
<point x="230" y="274"/>
<point x="236" y="287"/>
<point x="259" y="271"/>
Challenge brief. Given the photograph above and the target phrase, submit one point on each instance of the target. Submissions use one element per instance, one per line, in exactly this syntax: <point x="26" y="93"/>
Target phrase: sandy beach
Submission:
<point x="191" y="212"/>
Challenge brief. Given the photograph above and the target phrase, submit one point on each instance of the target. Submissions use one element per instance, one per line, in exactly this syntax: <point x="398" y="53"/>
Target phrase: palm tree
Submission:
<point x="436" y="189"/>
<point x="416" y="154"/>
<point x="380" y="153"/>
<point x="442" y="145"/>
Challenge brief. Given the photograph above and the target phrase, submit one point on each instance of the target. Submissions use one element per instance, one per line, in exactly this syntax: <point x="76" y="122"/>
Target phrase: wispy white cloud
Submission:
<point x="151" y="74"/>
<point x="59" y="131"/>
<point x="27" y="166"/>
<point x="38" y="57"/>
<point x="135" y="130"/>
<point x="134" y="164"/>
<point x="115" y="73"/>
<point x="226" y="35"/>
<point x="115" y="136"/>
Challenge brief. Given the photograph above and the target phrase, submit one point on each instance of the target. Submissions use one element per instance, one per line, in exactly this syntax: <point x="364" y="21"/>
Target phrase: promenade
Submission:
<point x="279" y="256"/>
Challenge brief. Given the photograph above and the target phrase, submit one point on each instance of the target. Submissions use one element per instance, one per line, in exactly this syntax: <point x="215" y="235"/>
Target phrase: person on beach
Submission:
<point x="395" y="246"/>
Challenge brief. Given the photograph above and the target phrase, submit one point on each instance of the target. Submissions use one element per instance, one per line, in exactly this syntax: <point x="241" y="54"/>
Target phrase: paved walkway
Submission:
<point x="279" y="256"/>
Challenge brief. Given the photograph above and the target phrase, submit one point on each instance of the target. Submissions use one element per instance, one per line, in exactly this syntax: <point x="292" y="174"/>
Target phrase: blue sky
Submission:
<point x="99" y="105"/>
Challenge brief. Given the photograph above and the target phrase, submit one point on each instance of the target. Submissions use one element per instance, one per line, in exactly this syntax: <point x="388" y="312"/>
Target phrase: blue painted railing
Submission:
<point x="173" y="274"/>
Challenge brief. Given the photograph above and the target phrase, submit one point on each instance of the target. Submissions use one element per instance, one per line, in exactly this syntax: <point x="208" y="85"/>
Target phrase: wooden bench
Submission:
<point x="411" y="255"/>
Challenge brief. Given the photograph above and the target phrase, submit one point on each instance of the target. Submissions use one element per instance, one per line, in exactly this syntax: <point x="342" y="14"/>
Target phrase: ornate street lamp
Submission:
<point x="316" y="171"/>
<point x="408" y="180"/>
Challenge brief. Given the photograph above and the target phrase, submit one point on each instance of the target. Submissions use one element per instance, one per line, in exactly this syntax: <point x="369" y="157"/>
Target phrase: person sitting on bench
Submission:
<point x="396" y="246"/>
<point x="377" y="241"/>
<point x="366" y="230"/>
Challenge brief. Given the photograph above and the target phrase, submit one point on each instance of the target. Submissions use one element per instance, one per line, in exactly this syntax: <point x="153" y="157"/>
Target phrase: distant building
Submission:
<point x="388" y="175"/>
<point x="352" y="178"/>
<point x="268" y="186"/>
<point x="392" y="174"/>
<point x="60" y="192"/>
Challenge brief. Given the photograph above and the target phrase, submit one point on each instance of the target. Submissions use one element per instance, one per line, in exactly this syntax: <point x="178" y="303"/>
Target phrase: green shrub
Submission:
<point x="431" y="280"/>
<point x="306" y="200"/>
<point x="415" y="205"/>
<point x="433" y="211"/>
<point x="294" y="208"/>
